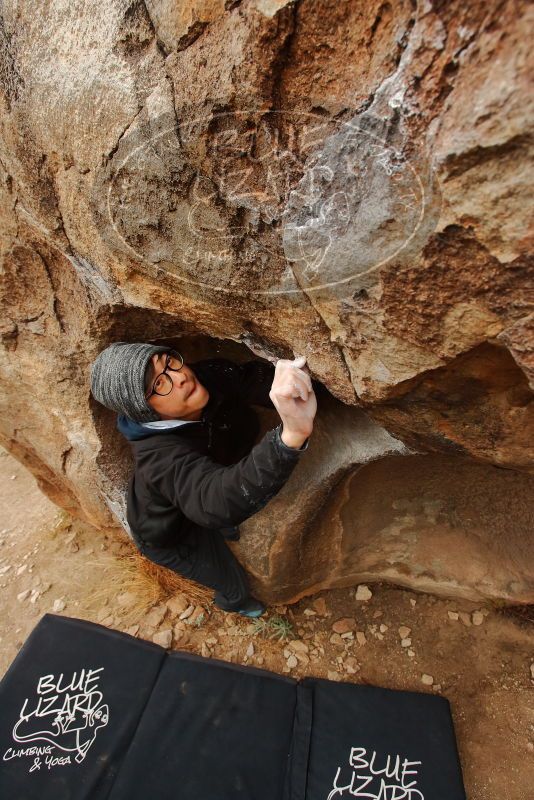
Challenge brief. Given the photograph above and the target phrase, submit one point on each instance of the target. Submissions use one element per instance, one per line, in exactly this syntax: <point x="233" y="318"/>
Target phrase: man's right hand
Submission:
<point x="293" y="397"/>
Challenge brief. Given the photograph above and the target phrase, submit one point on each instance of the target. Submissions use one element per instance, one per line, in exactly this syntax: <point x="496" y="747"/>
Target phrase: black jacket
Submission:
<point x="189" y="476"/>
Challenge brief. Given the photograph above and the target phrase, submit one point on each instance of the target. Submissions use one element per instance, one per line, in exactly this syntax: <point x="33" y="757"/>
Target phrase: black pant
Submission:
<point x="204" y="556"/>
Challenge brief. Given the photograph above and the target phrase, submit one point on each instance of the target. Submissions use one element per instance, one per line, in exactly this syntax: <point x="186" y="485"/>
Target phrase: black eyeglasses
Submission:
<point x="162" y="384"/>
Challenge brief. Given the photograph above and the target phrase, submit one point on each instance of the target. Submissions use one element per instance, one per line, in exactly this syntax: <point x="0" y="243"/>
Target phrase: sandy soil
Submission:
<point x="481" y="659"/>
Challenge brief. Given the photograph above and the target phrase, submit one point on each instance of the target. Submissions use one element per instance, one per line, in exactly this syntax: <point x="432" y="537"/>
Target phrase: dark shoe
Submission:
<point x="231" y="534"/>
<point x="251" y="608"/>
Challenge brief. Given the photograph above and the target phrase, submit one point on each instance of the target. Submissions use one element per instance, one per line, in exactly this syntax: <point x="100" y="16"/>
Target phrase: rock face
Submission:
<point x="342" y="180"/>
<point x="432" y="523"/>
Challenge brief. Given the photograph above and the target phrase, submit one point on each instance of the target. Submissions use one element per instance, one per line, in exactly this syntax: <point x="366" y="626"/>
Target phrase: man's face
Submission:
<point x="187" y="397"/>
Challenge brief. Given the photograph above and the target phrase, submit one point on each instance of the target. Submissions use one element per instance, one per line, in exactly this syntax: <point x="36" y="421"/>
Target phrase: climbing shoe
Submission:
<point x="251" y="608"/>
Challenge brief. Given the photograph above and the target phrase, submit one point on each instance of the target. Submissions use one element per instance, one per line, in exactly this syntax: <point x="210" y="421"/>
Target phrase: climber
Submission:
<point x="197" y="471"/>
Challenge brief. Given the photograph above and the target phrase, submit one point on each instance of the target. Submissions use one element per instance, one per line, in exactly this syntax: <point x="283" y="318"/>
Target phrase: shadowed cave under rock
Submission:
<point x="362" y="506"/>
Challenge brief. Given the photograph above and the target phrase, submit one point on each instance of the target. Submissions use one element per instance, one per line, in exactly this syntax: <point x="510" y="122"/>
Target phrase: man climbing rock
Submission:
<point x="198" y="473"/>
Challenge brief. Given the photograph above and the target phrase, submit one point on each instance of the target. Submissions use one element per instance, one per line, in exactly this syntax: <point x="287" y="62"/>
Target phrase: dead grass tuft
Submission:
<point x="171" y="583"/>
<point x="147" y="584"/>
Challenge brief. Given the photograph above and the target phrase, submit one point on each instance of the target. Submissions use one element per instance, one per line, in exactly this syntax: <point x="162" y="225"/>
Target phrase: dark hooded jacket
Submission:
<point x="197" y="474"/>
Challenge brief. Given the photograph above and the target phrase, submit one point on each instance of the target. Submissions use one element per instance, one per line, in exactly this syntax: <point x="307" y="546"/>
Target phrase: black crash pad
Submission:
<point x="88" y="713"/>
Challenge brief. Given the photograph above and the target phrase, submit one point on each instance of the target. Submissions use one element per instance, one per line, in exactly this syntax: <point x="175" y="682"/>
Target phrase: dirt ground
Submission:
<point x="480" y="659"/>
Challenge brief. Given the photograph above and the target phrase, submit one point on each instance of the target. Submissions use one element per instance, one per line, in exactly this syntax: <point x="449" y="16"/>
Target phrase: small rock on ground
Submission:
<point x="344" y="625"/>
<point x="363" y="592"/>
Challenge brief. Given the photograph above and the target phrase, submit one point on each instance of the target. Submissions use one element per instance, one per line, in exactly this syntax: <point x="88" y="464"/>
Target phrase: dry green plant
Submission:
<point x="275" y="627"/>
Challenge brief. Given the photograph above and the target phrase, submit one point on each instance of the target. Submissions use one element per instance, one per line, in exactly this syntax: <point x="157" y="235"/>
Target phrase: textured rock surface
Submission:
<point x="344" y="180"/>
<point x="433" y="523"/>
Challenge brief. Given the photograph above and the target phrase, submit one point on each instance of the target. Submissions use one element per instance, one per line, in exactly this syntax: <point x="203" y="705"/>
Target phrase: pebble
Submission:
<point x="22" y="569"/>
<point x="336" y="639"/>
<point x="181" y="637"/>
<point x="155" y="616"/>
<point x="413" y="602"/>
<point x="361" y="638"/>
<point x="5" y="569"/>
<point x="23" y="595"/>
<point x="532" y="671"/>
<point x="320" y="606"/>
<point x="59" y="605"/>
<point x="477" y="618"/>
<point x="466" y="619"/>
<point x="35" y="595"/>
<point x="404" y="632"/>
<point x="383" y="628"/>
<point x="350" y="665"/>
<point x="363" y="592"/>
<point x="428" y="680"/>
<point x="177" y="604"/>
<point x="332" y="675"/>
<point x="298" y="646"/>
<point x="411" y="653"/>
<point x="406" y="642"/>
<point x="187" y="613"/>
<point x="309" y="612"/>
<point x="204" y="650"/>
<point x="163" y="638"/>
<point x="292" y="662"/>
<point x="250" y="651"/>
<point x="344" y="625"/>
<point x="452" y="614"/>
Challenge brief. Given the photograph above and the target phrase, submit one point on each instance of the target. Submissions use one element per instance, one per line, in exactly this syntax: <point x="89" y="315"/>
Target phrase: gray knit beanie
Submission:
<point x="118" y="379"/>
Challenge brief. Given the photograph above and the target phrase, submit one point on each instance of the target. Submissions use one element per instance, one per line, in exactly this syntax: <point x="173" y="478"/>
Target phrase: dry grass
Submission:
<point x="171" y="583"/>
<point x="147" y="584"/>
<point x="129" y="572"/>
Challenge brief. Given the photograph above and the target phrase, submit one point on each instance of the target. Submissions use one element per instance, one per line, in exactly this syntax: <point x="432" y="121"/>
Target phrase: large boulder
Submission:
<point x="342" y="180"/>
